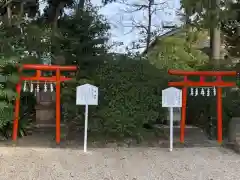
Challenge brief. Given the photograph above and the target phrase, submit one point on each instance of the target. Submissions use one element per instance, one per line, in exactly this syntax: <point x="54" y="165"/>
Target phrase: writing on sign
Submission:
<point x="172" y="97"/>
<point x="87" y="94"/>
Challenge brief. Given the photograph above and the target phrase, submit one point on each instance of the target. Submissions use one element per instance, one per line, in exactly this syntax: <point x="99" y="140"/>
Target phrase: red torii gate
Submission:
<point x="218" y="83"/>
<point x="38" y="77"/>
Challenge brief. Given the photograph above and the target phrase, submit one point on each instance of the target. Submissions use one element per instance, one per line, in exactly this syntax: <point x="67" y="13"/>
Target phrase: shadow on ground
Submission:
<point x="45" y="138"/>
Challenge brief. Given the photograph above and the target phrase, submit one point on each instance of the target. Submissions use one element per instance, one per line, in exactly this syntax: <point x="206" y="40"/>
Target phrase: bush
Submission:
<point x="26" y="117"/>
<point x="130" y="96"/>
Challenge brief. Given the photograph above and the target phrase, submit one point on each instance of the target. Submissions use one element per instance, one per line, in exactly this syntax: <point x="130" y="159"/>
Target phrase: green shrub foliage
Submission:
<point x="129" y="96"/>
<point x="8" y="78"/>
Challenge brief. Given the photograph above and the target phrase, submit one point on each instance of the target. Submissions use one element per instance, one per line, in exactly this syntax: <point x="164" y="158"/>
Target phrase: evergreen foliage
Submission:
<point x="8" y="61"/>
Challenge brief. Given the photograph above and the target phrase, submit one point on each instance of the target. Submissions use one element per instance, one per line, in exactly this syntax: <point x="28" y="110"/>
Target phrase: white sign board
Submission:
<point x="171" y="97"/>
<point x="87" y="94"/>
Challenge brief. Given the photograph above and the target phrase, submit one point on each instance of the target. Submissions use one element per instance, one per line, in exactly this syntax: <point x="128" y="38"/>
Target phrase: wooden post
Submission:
<point x="183" y="113"/>
<point x="16" y="114"/>
<point x="58" y="107"/>
<point x="219" y="112"/>
<point x="38" y="73"/>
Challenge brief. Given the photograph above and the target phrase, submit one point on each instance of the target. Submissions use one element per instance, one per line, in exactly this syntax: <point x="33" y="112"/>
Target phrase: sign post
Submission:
<point x="171" y="98"/>
<point x="86" y="94"/>
<point x="85" y="128"/>
<point x="171" y="128"/>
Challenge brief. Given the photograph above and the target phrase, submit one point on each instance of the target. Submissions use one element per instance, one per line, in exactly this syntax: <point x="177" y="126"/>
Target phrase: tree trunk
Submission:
<point x="80" y="7"/>
<point x="188" y="25"/>
<point x="58" y="9"/>
<point x="57" y="14"/>
<point x="9" y="14"/>
<point x="215" y="39"/>
<point x="81" y="4"/>
<point x="21" y="12"/>
<point x="149" y="26"/>
<point x="216" y="47"/>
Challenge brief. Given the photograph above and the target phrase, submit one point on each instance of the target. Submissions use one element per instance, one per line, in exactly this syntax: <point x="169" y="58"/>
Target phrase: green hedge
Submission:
<point x="129" y="96"/>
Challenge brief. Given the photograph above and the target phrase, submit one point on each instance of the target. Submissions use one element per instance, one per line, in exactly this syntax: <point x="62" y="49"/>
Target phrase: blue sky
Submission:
<point x="121" y="21"/>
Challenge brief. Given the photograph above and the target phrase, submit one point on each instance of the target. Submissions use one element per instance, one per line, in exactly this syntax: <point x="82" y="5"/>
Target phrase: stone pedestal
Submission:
<point x="234" y="133"/>
<point x="45" y="114"/>
<point x="234" y="130"/>
<point x="45" y="108"/>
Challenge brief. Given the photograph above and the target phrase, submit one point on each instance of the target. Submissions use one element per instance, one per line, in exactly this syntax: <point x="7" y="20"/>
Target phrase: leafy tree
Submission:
<point x="231" y="31"/>
<point x="82" y="41"/>
<point x="55" y="9"/>
<point x="83" y="36"/>
<point x="176" y="52"/>
<point x="209" y="15"/>
<point x="8" y="76"/>
<point x="21" y="42"/>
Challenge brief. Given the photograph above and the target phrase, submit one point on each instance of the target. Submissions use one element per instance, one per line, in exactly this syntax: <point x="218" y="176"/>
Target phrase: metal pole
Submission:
<point x="85" y="128"/>
<point x="171" y="129"/>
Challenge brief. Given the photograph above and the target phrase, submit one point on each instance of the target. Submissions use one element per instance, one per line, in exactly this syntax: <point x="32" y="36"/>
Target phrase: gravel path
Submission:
<point x="122" y="164"/>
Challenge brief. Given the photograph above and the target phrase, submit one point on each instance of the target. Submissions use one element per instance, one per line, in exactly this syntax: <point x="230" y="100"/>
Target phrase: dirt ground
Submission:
<point x="209" y="163"/>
